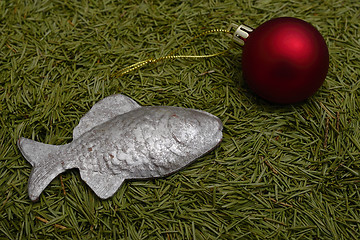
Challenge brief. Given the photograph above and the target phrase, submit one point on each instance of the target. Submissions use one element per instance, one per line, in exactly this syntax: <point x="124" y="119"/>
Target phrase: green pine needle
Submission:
<point x="281" y="172"/>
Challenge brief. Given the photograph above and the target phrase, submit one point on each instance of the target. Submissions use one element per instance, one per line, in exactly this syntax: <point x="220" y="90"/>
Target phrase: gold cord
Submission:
<point x="172" y="54"/>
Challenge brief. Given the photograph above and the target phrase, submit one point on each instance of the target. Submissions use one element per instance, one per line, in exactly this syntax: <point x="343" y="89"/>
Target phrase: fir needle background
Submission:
<point x="281" y="172"/>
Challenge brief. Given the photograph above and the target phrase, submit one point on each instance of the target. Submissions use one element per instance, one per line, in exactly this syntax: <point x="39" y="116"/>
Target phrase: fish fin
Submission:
<point x="103" y="111"/>
<point x="104" y="185"/>
<point x="43" y="158"/>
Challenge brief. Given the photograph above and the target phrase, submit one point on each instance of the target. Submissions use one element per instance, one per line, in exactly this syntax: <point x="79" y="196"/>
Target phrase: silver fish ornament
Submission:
<point x="118" y="140"/>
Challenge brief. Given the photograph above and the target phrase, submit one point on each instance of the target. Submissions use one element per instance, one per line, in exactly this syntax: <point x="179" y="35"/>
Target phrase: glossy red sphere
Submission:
<point x="285" y="60"/>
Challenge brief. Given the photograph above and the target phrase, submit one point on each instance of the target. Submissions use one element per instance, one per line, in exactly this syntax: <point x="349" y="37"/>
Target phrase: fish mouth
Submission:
<point x="217" y="135"/>
<point x="215" y="128"/>
<point x="220" y="124"/>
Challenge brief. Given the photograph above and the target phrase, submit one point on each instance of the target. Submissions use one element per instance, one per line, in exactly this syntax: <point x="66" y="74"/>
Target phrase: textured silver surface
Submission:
<point x="118" y="140"/>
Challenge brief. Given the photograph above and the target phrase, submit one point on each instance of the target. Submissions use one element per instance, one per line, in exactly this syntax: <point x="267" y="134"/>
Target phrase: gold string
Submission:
<point x="172" y="54"/>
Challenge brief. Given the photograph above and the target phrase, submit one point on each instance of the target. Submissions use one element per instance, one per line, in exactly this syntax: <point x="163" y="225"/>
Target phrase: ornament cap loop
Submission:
<point x="241" y="33"/>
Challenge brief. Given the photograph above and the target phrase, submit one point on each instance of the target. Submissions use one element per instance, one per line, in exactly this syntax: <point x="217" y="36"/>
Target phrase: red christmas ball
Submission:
<point x="285" y="60"/>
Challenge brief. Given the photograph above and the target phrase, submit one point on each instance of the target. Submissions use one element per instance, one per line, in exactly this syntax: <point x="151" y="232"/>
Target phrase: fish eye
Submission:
<point x="183" y="130"/>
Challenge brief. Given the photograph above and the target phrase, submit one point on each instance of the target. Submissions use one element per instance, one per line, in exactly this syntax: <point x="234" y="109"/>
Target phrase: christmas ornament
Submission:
<point x="285" y="60"/>
<point x="118" y="140"/>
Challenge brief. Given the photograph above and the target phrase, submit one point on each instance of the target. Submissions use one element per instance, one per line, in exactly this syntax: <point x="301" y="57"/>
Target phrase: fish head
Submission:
<point x="195" y="131"/>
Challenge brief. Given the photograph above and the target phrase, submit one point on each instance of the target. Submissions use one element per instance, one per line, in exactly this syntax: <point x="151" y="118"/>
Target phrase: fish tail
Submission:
<point x="46" y="164"/>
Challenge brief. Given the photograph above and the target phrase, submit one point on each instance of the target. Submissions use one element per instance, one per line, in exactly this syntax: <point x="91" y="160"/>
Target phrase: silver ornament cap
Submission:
<point x="240" y="34"/>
